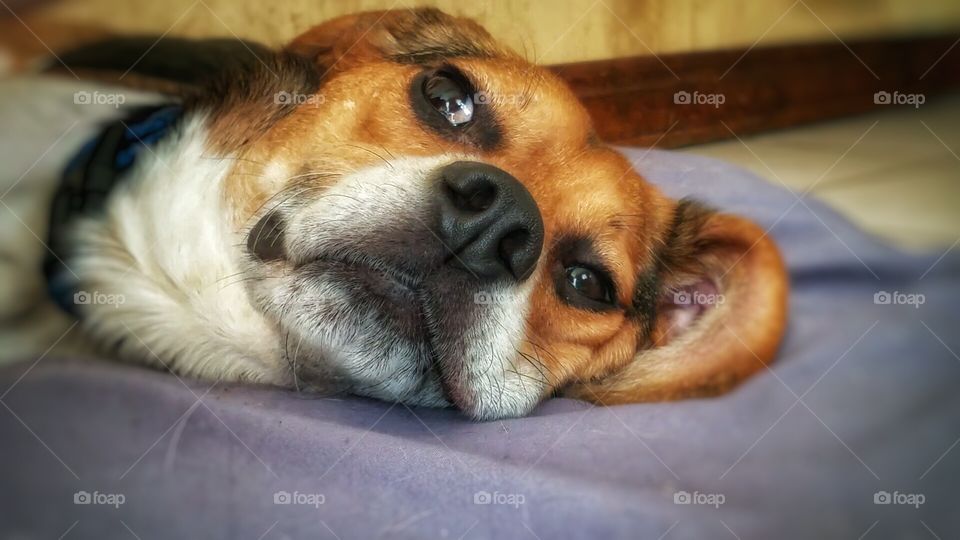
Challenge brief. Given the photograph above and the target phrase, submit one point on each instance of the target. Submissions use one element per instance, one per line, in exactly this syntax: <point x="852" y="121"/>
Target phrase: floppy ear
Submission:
<point x="404" y="35"/>
<point x="720" y="312"/>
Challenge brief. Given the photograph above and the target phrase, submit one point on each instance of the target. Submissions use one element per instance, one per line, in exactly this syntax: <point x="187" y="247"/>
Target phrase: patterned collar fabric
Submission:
<point x="87" y="182"/>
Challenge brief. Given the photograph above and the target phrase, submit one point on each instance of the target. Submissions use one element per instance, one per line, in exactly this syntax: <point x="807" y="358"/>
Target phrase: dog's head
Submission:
<point x="436" y="222"/>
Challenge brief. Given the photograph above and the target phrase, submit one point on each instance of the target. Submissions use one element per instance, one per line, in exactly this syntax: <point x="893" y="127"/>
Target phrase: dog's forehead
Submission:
<point x="543" y="128"/>
<point x="529" y="98"/>
<point x="597" y="195"/>
<point x="363" y="114"/>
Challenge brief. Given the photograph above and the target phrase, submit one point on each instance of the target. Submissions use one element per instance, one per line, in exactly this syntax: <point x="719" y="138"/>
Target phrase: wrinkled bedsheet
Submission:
<point x="853" y="432"/>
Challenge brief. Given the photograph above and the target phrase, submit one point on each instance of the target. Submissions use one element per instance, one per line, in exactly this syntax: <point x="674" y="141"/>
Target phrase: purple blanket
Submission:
<point x="854" y="433"/>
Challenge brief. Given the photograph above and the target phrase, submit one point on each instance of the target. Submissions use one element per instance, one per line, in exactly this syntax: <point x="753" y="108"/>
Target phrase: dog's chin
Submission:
<point x="351" y="326"/>
<point x="358" y="328"/>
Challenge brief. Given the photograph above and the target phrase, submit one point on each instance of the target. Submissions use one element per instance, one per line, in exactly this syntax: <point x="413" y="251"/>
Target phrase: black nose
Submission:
<point x="489" y="221"/>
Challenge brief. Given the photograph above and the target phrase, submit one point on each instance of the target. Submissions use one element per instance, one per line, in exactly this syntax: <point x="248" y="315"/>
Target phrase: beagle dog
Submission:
<point x="395" y="206"/>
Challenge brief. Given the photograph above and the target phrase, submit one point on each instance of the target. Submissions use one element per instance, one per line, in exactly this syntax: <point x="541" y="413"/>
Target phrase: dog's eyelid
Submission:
<point x="454" y="72"/>
<point x="449" y="70"/>
<point x="582" y="250"/>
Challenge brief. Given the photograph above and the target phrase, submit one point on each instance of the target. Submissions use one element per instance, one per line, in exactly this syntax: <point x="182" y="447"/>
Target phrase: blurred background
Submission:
<point x="851" y="101"/>
<point x="552" y="32"/>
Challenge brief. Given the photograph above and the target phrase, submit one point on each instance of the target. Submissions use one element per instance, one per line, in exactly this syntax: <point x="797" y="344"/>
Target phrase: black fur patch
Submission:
<point x="186" y="61"/>
<point x="280" y="74"/>
<point x="681" y="248"/>
<point x="645" y="298"/>
<point x="217" y="76"/>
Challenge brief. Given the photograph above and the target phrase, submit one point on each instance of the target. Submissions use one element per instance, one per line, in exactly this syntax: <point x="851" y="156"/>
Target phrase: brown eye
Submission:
<point x="449" y="97"/>
<point x="589" y="284"/>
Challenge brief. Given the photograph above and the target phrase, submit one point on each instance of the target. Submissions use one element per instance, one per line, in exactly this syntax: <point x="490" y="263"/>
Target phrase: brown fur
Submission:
<point x="581" y="189"/>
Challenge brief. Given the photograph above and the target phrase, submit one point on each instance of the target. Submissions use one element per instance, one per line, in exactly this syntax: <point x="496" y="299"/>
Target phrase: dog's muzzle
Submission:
<point x="408" y="283"/>
<point x="488" y="221"/>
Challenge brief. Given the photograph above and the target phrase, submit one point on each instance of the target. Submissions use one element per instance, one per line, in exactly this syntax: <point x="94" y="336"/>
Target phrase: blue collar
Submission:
<point x="88" y="181"/>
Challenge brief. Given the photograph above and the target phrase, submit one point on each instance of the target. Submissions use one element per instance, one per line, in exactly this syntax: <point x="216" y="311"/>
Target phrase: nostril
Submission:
<point x="515" y="251"/>
<point x="477" y="196"/>
<point x="482" y="199"/>
<point x="512" y="243"/>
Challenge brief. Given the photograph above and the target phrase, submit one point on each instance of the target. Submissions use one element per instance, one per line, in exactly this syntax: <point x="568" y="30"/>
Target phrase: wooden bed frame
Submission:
<point x="634" y="101"/>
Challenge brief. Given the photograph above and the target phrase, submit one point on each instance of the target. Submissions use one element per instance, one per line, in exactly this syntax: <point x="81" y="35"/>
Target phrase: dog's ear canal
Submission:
<point x="719" y="312"/>
<point x="409" y="36"/>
